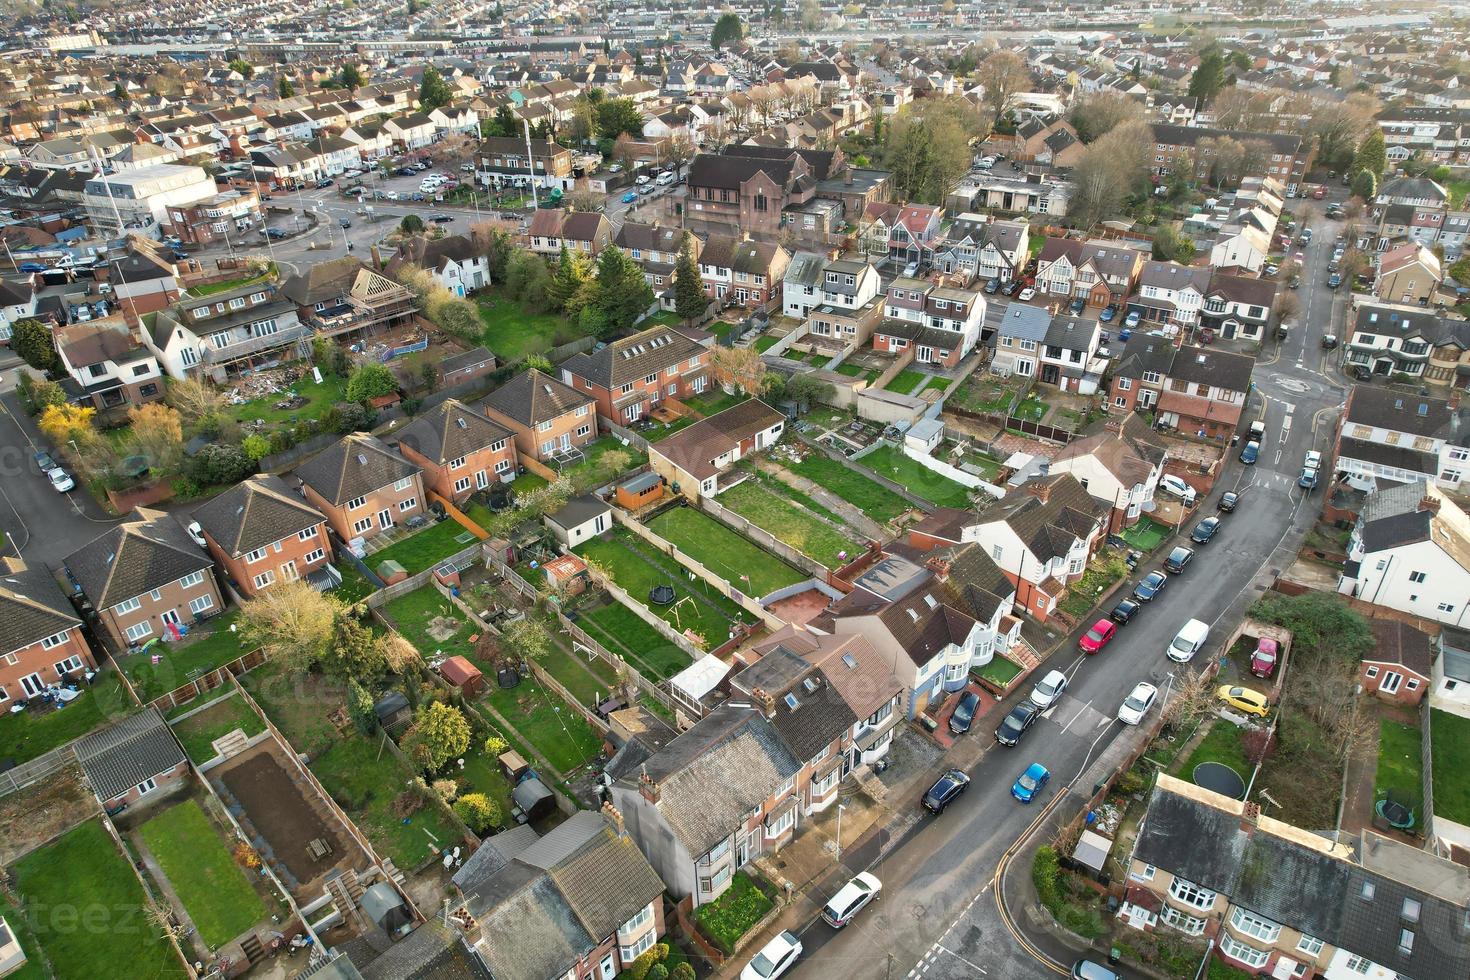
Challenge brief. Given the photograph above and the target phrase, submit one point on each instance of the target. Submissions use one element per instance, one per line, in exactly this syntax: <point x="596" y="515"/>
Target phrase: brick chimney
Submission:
<point x="1114" y="424"/>
<point x="614" y="818"/>
<point x="939" y="566"/>
<point x="1249" y="814"/>
<point x="646" y="785"/>
<point x="1040" y="489"/>
<point x="767" y="703"/>
<point x="1429" y="503"/>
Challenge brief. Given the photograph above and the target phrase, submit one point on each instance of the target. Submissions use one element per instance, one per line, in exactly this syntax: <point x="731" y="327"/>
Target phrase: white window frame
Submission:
<point x="1309" y="945"/>
<point x="138" y="631"/>
<point x="1177" y="918"/>
<point x="362" y="525"/>
<point x="404" y="483"/>
<point x="265" y="579"/>
<point x="191" y="580"/>
<point x="404" y="506"/>
<point x="55" y="640"/>
<point x="201" y="603"/>
<point x="127" y="606"/>
<point x="1186" y="891"/>
<point x="1257" y="927"/>
<point x="782" y="825"/>
<point x="1243" y="952"/>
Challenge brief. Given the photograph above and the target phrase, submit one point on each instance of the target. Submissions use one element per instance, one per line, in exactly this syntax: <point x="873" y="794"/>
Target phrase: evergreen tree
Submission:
<point x="690" y="301"/>
<point x="728" y="28"/>
<point x="243" y="67"/>
<point x="1209" y="77"/>
<point x="352" y="77"/>
<point x="284" y="88"/>
<point x="623" y="295"/>
<point x="434" y="90"/>
<point x="570" y="287"/>
<point x="1371" y="156"/>
<point x="1365" y="185"/>
<point x="32" y="341"/>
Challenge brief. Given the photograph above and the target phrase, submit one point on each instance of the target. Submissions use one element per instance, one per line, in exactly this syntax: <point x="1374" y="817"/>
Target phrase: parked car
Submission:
<point x="1149" y="586"/>
<point x="1263" y="659"/>
<point x="1271" y="267"/>
<point x="1013" y="287"/>
<point x="1124" y="611"/>
<point x="195" y="533"/>
<point x="1178" y="560"/>
<point x="1049" y="689"/>
<point x="1022" y="717"/>
<point x="274" y="234"/>
<point x="1229" y="500"/>
<point x="851" y="899"/>
<point x="1169" y="483"/>
<point x="629" y="197"/>
<point x="1361" y="373"/>
<point x="1205" y="530"/>
<point x="1334" y="280"/>
<point x="1188" y="641"/>
<point x="1133" y="319"/>
<point x="324" y="182"/>
<point x="1106" y="316"/>
<point x="945" y="789"/>
<point x="1313" y="459"/>
<point x="440" y="219"/>
<point x="61" y="480"/>
<point x="346" y="223"/>
<point x="1308" y="479"/>
<point x="1329" y="341"/>
<point x="32" y="267"/>
<point x="1098" y="636"/>
<point x="1077" y="305"/>
<point x="992" y="286"/>
<point x="45" y="462"/>
<point x="964" y="713"/>
<point x="1244" y="699"/>
<point x="1027" y="295"/>
<point x="1030" y="783"/>
<point x="1088" y="970"/>
<point x="1250" y="453"/>
<point x="1137" y="703"/>
<point x="774" y="959"/>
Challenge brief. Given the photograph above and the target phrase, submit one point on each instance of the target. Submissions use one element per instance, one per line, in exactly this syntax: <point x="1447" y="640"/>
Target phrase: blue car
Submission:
<point x="1250" y="453"/>
<point x="1030" y="783"/>
<point x="1124" y="334"/>
<point x="32" y="267"/>
<point x="630" y="197"/>
<point x="1106" y="316"/>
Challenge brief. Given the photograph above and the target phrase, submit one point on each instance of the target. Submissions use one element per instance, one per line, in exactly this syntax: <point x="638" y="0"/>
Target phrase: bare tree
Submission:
<point x="1002" y="75"/>
<point x="677" y="152"/>
<point x="739" y="367"/>
<point x="1190" y="701"/>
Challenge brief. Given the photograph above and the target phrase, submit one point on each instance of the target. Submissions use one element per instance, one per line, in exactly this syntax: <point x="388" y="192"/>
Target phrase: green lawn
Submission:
<point x="206" y="647"/>
<point x="198" y="731"/>
<point x="1000" y="671"/>
<point x="586" y="680"/>
<point x="1032" y="409"/>
<point x="412" y="614"/>
<point x="1459" y="190"/>
<point x="916" y="477"/>
<point x="511" y="333"/>
<point x="1220" y="744"/>
<point x="297" y="704"/>
<point x="355" y="587"/>
<point x="942" y="384"/>
<point x="553" y="728"/>
<point x="734" y="913"/>
<point x="983" y="395"/>
<point x="706" y="611"/>
<point x="1400" y="771"/>
<point x="765" y="343"/>
<point x="1450" y="744"/>
<point x="481" y="774"/>
<point x="723" y="551"/>
<point x="874" y="500"/>
<point x="424" y="549"/>
<point x="32" y="970"/>
<point x="790" y="523"/>
<point x="320" y="397"/>
<point x="905" y="381"/>
<point x="84" y="873"/>
<point x="1146" y="535"/>
<point x="29" y="734"/>
<point x="595" y="469"/>
<point x="714" y="401"/>
<point x="199" y="292"/>
<point x="211" y="886"/>
<point x="622" y="632"/>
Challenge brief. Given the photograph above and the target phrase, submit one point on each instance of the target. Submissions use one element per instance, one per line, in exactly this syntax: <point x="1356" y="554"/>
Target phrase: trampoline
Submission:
<point x="507" y="678"/>
<point x="661" y="595"/>
<point x="1397" y="815"/>
<point x="1219" y="778"/>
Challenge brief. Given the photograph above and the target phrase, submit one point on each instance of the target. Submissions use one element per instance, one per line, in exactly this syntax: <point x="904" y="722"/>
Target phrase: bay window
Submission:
<point x="1254" y="926"/>
<point x="1242" y="953"/>
<point x="1183" y="890"/>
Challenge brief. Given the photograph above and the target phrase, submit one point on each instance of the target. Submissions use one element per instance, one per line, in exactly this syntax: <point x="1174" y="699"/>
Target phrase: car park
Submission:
<point x="61" y="480"/>
<point x="1099" y="635"/>
<point x="1243" y="699"/>
<point x="945" y="789"/>
<point x="1124" y="611"/>
<point x="851" y="899"/>
<point x="774" y="959"/>
<point x="1205" y="530"/>
<point x="1021" y="718"/>
<point x="1027" y="295"/>
<point x="1188" y="641"/>
<point x="1229" y="500"/>
<point x="1137" y="703"/>
<point x="1030" y="783"/>
<point x="1250" y="453"/>
<point x="1049" y="689"/>
<point x="964" y="713"/>
<point x="1150" y="586"/>
<point x="1264" y="657"/>
<point x="1178" y="560"/>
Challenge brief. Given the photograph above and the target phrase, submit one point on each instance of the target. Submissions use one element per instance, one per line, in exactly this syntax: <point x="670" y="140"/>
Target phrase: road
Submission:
<point x="939" y="917"/>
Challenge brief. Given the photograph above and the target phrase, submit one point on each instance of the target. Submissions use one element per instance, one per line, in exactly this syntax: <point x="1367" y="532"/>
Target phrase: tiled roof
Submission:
<point x="32" y="607"/>
<point x="633" y="358"/>
<point x="532" y="397"/>
<point x="450" y="430"/>
<point x="694" y="449"/>
<point x="135" y="749"/>
<point x="352" y="467"/>
<point x="136" y="556"/>
<point x="255" y="513"/>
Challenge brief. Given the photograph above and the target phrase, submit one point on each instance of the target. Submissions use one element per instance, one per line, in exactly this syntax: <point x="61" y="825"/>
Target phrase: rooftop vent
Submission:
<point x="848" y="661"/>
<point x="361" y="459"/>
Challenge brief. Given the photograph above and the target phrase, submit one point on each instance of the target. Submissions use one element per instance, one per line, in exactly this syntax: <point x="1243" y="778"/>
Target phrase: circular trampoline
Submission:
<point x="1395" y="814"/>
<point x="1219" y="778"/>
<point x="507" y="678"/>
<point x="661" y="595"/>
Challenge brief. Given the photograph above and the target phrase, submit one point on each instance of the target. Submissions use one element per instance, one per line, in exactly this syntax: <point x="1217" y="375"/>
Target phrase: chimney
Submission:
<point x="1040" y="489"/>
<point x="765" y="700"/>
<point x="1249" y="813"/>
<point x="646" y="785"/>
<point x="614" y="818"/>
<point x="1429" y="503"/>
<point x="1114" y="424"/>
<point x="939" y="566"/>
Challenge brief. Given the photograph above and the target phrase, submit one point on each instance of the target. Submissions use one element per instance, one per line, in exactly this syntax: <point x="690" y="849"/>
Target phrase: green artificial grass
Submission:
<point x="905" y="382"/>
<point x="204" y="875"/>
<point x="999" y="671"/>
<point x="1400" y="769"/>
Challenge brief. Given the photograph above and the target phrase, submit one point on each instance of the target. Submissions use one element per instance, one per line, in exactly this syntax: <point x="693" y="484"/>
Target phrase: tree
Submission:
<point x="434" y="91"/>
<point x="727" y="28"/>
<point x="739" y="367"/>
<point x="1355" y="262"/>
<point x="438" y="734"/>
<point x="220" y="463"/>
<point x="1458" y="271"/>
<point x="690" y="301"/>
<point x="571" y="287"/>
<point x="360" y="708"/>
<point x="810" y="13"/>
<point x="1192" y="699"/>
<point x="256" y="447"/>
<point x="370" y="380"/>
<point x="196" y="400"/>
<point x="292" y="622"/>
<point x="1096" y="115"/>
<point x="242" y="67"/>
<point x="1115" y="166"/>
<point x="61" y="423"/>
<point x="528" y="638"/>
<point x="495" y="746"/>
<point x="1170" y="246"/>
<point x="928" y="147"/>
<point x="1372" y="155"/>
<point x="1001" y="76"/>
<point x="678" y="152"/>
<point x="1340" y="126"/>
<point x="157" y="432"/>
<point x="41" y="394"/>
<point x="528" y="279"/>
<point x="807" y="390"/>
<point x="478" y="812"/>
<point x="411" y="224"/>
<point x="1209" y="77"/>
<point x="284" y="88"/>
<point x="1364" y="186"/>
<point x="352" y="77"/>
<point x="622" y="295"/>
<point x="32" y="341"/>
<point x="618" y="116"/>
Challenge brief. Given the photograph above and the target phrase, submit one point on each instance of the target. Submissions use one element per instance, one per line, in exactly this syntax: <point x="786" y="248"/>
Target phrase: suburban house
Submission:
<point x="1048" y="141"/>
<point x="146" y="579"/>
<point x="914" y="234"/>
<point x="227" y="333"/>
<point x="1102" y="274"/>
<point x="941" y="323"/>
<point x="453" y="261"/>
<point x="135" y="760"/>
<point x="105" y="367"/>
<point x="811" y="281"/>
<point x="502" y="161"/>
<point x="1139" y="373"/>
<point x="1407" y="273"/>
<point x="1407" y="552"/>
<point x="741" y="272"/>
<point x="1170" y="294"/>
<point x="1018" y="340"/>
<point x="1069" y="354"/>
<point x="692" y="459"/>
<point x="361" y="486"/>
<point x="17" y="302"/>
<point x="586" y="232"/>
<point x="1119" y="464"/>
<point x="40" y="633"/>
<point x="1238" y="306"/>
<point x="1387" y="435"/>
<point x="1192" y="149"/>
<point x="1391" y="340"/>
<point x="979" y="247"/>
<point x="1205" y="391"/>
<point x="1241" y="247"/>
<point x="656" y="248"/>
<point x="547" y="417"/>
<point x="260" y="533"/>
<point x="1350" y="907"/>
<point x="580" y="903"/>
<point x="460" y="450"/>
<point x="1400" y="667"/>
<point x="630" y="376"/>
<point x="343" y="297"/>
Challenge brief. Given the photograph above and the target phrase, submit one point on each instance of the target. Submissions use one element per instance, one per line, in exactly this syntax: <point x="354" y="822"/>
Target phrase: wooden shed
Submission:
<point x="463" y="675"/>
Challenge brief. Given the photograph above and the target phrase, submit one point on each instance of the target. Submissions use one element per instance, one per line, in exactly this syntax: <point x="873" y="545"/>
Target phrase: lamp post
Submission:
<point x="840" y="808"/>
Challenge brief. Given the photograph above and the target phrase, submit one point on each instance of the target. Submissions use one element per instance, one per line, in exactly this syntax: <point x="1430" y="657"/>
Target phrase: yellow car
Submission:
<point x="1244" y="699"/>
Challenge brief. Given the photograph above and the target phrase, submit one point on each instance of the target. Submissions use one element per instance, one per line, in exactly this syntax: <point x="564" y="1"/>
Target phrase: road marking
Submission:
<point x="1075" y="717"/>
<point x="973" y="966"/>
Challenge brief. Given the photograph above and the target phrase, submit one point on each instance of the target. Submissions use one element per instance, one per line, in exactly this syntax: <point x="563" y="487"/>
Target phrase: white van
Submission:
<point x="1189" y="641"/>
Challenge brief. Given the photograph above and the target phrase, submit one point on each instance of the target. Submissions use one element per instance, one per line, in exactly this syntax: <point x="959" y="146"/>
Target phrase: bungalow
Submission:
<point x="692" y="459"/>
<point x="134" y="761"/>
<point x="1400" y="666"/>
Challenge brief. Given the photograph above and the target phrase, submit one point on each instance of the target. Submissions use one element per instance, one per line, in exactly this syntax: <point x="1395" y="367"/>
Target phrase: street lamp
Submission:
<point x="840" y="808"/>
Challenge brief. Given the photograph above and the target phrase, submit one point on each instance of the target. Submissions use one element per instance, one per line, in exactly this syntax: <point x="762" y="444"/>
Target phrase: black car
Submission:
<point x="964" y="713"/>
<point x="1022" y="717"/>
<point x="1149" y="586"/>
<point x="1228" y="500"/>
<point x="45" y="461"/>
<point x="440" y="219"/>
<point x="346" y="222"/>
<point x="1361" y="373"/>
<point x="945" y="789"/>
<point x="405" y="171"/>
<point x="1077" y="306"/>
<point x="1177" y="560"/>
<point x="274" y="233"/>
<point x="324" y="182"/>
<point x="1013" y="287"/>
<point x="992" y="286"/>
<point x="1124" y="611"/>
<point x="1205" y="530"/>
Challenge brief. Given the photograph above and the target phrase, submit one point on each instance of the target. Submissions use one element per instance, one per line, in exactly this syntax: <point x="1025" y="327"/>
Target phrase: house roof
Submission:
<point x="1385" y="408"/>
<point x="694" y="449"/>
<point x="352" y="467"/>
<point x="146" y="552"/>
<point x="633" y="358"/>
<point x="1399" y="643"/>
<point x="1025" y="322"/>
<point x="135" y="749"/>
<point x="32" y="607"/>
<point x="1143" y="353"/>
<point x="1130" y="449"/>
<point x="450" y="430"/>
<point x="533" y="397"/>
<point x="1048" y="528"/>
<point x="1247" y="290"/>
<point x="578" y="511"/>
<point x="1219" y="368"/>
<point x="255" y="513"/>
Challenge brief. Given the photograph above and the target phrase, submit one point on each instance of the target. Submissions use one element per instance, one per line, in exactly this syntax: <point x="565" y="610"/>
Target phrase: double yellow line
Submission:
<point x="997" y="888"/>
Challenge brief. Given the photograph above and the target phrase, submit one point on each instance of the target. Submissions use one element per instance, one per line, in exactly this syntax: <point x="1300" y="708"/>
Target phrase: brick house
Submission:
<point x="136" y="760"/>
<point x="1286" y="157"/>
<point x="942" y="323"/>
<point x="547" y="417"/>
<point x="1400" y="666"/>
<point x="1119" y="463"/>
<point x="587" y="232"/>
<point x="1139" y="373"/>
<point x="1206" y="390"/>
<point x="630" y="376"/>
<point x="742" y="272"/>
<point x="693" y="458"/>
<point x="261" y="533"/>
<point x="40" y="635"/>
<point x="460" y="449"/>
<point x="1101" y="273"/>
<point x="502" y="160"/>
<point x="145" y="578"/>
<point x="731" y="192"/>
<point x="361" y="486"/>
<point x="1407" y="273"/>
<point x="1239" y="306"/>
<point x="915" y="233"/>
<point x="106" y="368"/>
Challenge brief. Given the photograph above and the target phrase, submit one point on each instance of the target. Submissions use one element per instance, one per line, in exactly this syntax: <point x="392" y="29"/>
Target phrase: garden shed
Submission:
<point x="463" y="675"/>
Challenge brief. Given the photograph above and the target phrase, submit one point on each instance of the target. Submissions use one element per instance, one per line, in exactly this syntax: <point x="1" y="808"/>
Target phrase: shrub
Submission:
<point x="350" y="417"/>
<point x="684" y="971"/>
<point x="406" y="804"/>
<point x="640" y="968"/>
<point x="478" y="811"/>
<point x="658" y="972"/>
<point x="1046" y="875"/>
<point x="220" y="463"/>
<point x="496" y="746"/>
<point x="256" y="447"/>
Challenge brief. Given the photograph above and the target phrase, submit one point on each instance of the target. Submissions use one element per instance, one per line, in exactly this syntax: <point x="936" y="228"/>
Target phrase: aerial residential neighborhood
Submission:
<point x="605" y="491"/>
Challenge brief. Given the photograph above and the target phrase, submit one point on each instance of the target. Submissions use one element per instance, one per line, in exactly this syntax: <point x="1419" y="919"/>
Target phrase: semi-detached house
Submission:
<point x="629" y="377"/>
<point x="550" y="420"/>
<point x="261" y="533"/>
<point x="361" y="486"/>
<point x="1205" y="391"/>
<point x="742" y="272"/>
<point x="1119" y="464"/>
<point x="1397" y="437"/>
<point x="41" y="641"/>
<point x="941" y="323"/>
<point x="1410" y="551"/>
<point x="1101" y="274"/>
<point x="460" y="450"/>
<point x="227" y="333"/>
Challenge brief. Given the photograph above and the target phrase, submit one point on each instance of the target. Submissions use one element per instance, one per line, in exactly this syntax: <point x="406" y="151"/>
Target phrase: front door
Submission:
<point x="171" y="618"/>
<point x="385" y="519"/>
<point x="742" y="852"/>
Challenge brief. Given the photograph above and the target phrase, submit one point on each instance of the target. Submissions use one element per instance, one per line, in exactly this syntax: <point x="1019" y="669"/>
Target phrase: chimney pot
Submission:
<point x="614" y="818"/>
<point x="1430" y="504"/>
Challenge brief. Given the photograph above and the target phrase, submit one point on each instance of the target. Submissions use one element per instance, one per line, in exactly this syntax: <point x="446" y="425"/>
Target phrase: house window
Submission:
<point x="1182" y="921"/>
<point x="306" y="535"/>
<point x="1240" y="952"/>
<point x="404" y="506"/>
<point x="66" y="666"/>
<point x="264" y="579"/>
<point x="255" y="556"/>
<point x="1125" y="384"/>
<point x="1310" y="945"/>
<point x="127" y="606"/>
<point x="356" y="502"/>
<point x="631" y="953"/>
<point x="404" y="483"/>
<point x="314" y="556"/>
<point x="1191" y="894"/>
<point x="358" y="527"/>
<point x="146" y="786"/>
<point x="1254" y="926"/>
<point x="201" y="604"/>
<point x="1446" y="607"/>
<point x="191" y="580"/>
<point x="455" y="464"/>
<point x="138" y="631"/>
<point x="52" y="642"/>
<point x="462" y="484"/>
<point x="1417" y="577"/>
<point x="782" y="823"/>
<point x="1359" y="964"/>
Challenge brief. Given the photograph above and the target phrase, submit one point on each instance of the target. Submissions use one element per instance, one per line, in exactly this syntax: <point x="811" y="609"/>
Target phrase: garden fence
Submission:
<point x="625" y="434"/>
<point x="19" y="777"/>
<point x="1426" y="765"/>
<point x="544" y="678"/>
<point x="762" y="537"/>
<point x="417" y="580"/>
<point x="185" y="693"/>
<point x="925" y="505"/>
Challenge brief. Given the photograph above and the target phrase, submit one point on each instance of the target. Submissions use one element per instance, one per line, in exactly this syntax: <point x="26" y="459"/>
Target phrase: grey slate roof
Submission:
<point x="633" y="358"/>
<point x="144" y="553"/>
<point x="31" y="607"/>
<point x="1025" y="322"/>
<point x="135" y="749"/>
<point x="532" y="397"/>
<point x="1205" y="365"/>
<point x="354" y="466"/>
<point x="255" y="513"/>
<point x="450" y="430"/>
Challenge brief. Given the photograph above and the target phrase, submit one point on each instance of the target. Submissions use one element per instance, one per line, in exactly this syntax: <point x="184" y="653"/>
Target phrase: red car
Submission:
<point x="1263" y="661"/>
<point x="1096" y="638"/>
